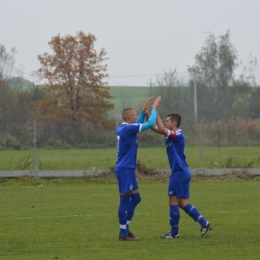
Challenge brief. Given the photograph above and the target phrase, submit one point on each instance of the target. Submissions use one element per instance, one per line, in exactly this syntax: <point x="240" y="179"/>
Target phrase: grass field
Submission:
<point x="152" y="158"/>
<point x="128" y="97"/>
<point x="124" y="96"/>
<point x="77" y="219"/>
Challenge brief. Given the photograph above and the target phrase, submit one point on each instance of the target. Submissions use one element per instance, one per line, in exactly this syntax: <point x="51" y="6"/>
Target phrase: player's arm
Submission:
<point x="144" y="111"/>
<point x="152" y="119"/>
<point x="140" y="118"/>
<point x="156" y="129"/>
<point x="161" y="127"/>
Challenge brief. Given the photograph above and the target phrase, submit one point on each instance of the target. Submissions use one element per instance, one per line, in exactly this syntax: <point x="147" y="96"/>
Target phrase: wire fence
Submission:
<point x="232" y="143"/>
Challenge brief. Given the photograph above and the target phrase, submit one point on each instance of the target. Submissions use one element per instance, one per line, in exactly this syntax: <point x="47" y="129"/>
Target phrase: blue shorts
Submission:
<point x="179" y="184"/>
<point x="126" y="180"/>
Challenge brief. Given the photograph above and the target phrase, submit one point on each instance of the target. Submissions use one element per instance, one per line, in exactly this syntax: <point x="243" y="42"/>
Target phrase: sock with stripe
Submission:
<point x="174" y="219"/>
<point x="122" y="214"/>
<point x="194" y="213"/>
<point x="135" y="200"/>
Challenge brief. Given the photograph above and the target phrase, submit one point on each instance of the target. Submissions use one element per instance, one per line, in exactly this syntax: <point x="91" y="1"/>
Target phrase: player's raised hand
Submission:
<point x="156" y="103"/>
<point x="147" y="105"/>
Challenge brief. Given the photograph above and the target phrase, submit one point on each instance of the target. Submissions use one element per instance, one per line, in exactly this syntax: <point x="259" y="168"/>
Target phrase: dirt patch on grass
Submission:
<point x="142" y="175"/>
<point x="154" y="175"/>
<point x="229" y="176"/>
<point x="146" y="174"/>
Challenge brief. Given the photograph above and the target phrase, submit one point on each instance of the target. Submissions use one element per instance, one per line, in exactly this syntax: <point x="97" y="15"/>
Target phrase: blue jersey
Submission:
<point x="127" y="143"/>
<point x="175" y="144"/>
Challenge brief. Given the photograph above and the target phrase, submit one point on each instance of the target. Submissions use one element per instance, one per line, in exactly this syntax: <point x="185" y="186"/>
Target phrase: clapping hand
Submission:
<point x="147" y="105"/>
<point x="156" y="103"/>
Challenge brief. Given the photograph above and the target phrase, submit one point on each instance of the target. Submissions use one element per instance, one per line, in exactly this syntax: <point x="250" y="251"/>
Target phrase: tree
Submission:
<point x="249" y="71"/>
<point x="214" y="67"/>
<point x="6" y="91"/>
<point x="172" y="91"/>
<point x="216" y="62"/>
<point x="74" y="75"/>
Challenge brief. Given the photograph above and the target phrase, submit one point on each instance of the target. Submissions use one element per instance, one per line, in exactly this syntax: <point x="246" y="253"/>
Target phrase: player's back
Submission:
<point x="127" y="144"/>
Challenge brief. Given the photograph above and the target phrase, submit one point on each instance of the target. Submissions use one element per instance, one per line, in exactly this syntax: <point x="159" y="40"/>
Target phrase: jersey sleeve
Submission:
<point x="141" y="118"/>
<point x="151" y="121"/>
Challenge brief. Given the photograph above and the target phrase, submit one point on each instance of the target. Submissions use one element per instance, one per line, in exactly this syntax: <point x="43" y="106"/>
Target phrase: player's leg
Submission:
<point x="135" y="200"/>
<point x="193" y="211"/>
<point x="126" y="185"/>
<point x="174" y="218"/>
<point x="174" y="215"/>
<point x="122" y="213"/>
<point x="196" y="216"/>
<point x="174" y="208"/>
<point x="135" y="197"/>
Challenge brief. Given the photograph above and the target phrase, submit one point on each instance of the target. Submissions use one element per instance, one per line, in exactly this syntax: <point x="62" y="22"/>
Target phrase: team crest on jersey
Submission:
<point x="169" y="144"/>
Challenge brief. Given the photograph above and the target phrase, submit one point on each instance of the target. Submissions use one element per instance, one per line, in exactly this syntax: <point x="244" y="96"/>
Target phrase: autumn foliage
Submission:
<point x="74" y="81"/>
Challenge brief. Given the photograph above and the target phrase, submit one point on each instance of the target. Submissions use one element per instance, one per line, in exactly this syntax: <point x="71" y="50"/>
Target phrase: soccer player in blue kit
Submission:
<point x="179" y="183"/>
<point x="127" y="143"/>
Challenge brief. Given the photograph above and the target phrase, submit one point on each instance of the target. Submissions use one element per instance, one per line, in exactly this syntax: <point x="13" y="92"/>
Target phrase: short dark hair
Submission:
<point x="126" y="112"/>
<point x="175" y="117"/>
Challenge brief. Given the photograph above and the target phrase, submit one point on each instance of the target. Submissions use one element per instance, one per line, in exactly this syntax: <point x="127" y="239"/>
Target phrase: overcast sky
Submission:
<point x="141" y="37"/>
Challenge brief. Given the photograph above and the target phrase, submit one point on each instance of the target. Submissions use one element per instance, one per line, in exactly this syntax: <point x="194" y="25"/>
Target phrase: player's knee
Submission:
<point x="182" y="205"/>
<point x="136" y="198"/>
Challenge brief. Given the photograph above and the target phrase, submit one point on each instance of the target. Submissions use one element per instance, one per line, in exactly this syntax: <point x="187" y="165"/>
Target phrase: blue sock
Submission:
<point x="174" y="219"/>
<point x="135" y="200"/>
<point x="194" y="213"/>
<point x="122" y="214"/>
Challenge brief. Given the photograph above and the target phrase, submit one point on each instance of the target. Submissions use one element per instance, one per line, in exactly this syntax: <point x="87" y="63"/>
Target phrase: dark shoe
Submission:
<point x="205" y="230"/>
<point x="130" y="234"/>
<point x="128" y="238"/>
<point x="169" y="235"/>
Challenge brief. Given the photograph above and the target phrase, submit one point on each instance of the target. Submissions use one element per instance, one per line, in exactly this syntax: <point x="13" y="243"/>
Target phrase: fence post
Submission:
<point x="201" y="144"/>
<point x="34" y="145"/>
<point x="195" y="99"/>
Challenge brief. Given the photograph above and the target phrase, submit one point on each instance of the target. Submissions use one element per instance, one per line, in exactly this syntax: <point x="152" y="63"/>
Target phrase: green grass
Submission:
<point x="77" y="219"/>
<point x="75" y="159"/>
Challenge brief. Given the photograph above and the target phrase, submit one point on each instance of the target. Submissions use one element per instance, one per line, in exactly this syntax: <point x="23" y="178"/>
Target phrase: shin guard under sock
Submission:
<point x="122" y="214"/>
<point x="135" y="200"/>
<point x="174" y="219"/>
<point x="195" y="215"/>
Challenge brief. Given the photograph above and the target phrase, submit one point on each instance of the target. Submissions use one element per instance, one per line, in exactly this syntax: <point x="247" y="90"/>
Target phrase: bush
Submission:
<point x="11" y="142"/>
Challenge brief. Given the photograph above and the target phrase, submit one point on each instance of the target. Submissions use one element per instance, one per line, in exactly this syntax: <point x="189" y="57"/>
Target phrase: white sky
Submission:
<point x="140" y="36"/>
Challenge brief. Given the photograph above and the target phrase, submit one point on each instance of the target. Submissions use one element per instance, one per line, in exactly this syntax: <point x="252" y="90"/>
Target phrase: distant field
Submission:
<point x="128" y="97"/>
<point x="77" y="219"/>
<point x="124" y="97"/>
<point x="152" y="158"/>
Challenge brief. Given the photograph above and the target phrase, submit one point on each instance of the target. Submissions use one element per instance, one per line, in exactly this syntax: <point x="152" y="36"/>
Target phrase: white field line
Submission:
<point x="74" y="216"/>
<point x="115" y="215"/>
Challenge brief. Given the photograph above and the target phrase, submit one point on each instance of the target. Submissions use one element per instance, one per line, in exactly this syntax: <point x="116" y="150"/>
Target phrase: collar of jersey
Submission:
<point x="177" y="132"/>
